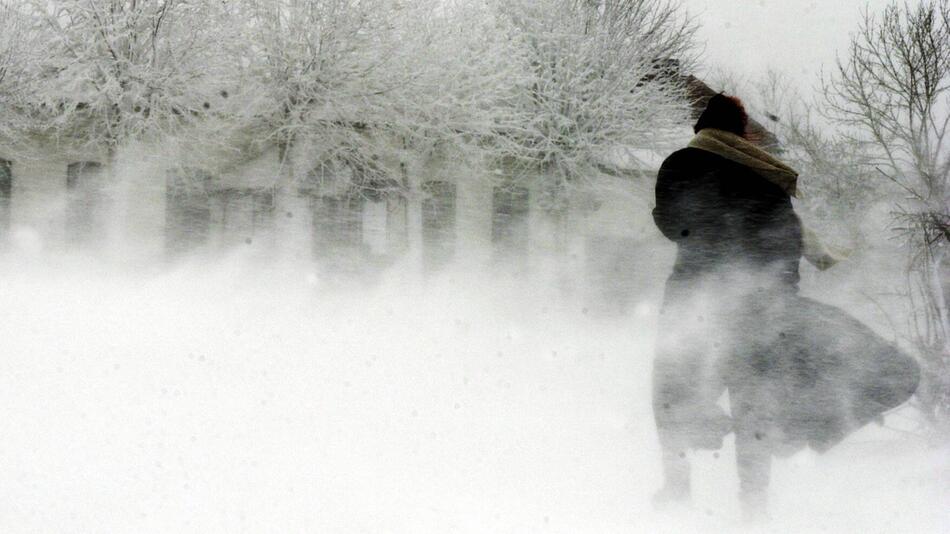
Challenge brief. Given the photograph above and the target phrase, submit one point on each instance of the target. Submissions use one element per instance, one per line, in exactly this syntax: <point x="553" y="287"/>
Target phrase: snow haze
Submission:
<point x="228" y="398"/>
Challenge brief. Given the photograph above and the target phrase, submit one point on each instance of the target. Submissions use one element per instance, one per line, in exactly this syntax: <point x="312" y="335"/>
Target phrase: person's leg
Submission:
<point x="686" y="386"/>
<point x="676" y="477"/>
<point x="753" y="449"/>
<point x="754" y="462"/>
<point x="672" y="400"/>
<point x="687" y="417"/>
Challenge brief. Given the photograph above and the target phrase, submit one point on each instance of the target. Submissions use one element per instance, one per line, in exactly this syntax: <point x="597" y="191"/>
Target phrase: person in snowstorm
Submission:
<point x="798" y="372"/>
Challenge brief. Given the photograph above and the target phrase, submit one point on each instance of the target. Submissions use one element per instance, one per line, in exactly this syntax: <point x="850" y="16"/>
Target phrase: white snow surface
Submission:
<point x="241" y="400"/>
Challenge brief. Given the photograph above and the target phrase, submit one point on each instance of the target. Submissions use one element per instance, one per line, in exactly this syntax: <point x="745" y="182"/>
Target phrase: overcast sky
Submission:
<point x="795" y="37"/>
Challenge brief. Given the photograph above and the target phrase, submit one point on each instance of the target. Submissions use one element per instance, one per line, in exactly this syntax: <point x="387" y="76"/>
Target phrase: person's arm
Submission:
<point x="686" y="201"/>
<point x="811" y="246"/>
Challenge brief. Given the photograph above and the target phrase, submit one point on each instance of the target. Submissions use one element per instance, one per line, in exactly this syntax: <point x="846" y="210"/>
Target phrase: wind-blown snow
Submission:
<point x="226" y="400"/>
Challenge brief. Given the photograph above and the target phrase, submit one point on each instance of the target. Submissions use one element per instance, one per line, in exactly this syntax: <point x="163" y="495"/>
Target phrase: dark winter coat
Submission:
<point x="816" y="373"/>
<point x="723" y="216"/>
<point x="807" y="373"/>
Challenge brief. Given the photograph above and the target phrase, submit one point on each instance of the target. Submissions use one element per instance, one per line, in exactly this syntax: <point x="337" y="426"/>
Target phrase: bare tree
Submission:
<point x="837" y="185"/>
<point x="891" y="94"/>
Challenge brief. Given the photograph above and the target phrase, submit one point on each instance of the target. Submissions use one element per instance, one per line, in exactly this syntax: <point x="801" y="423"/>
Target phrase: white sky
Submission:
<point x="794" y="37"/>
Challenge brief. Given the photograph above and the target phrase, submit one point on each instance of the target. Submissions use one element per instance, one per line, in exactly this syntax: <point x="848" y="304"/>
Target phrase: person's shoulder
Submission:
<point x="685" y="158"/>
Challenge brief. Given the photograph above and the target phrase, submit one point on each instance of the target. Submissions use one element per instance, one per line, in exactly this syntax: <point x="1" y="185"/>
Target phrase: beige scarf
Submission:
<point x="737" y="149"/>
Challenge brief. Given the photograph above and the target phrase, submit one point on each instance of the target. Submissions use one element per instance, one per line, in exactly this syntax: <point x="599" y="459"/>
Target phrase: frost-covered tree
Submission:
<point x="891" y="94"/>
<point x="116" y="71"/>
<point x="18" y="77"/>
<point x="322" y="72"/>
<point x="360" y="81"/>
<point x="466" y="71"/>
<point x="559" y="85"/>
<point x="602" y="77"/>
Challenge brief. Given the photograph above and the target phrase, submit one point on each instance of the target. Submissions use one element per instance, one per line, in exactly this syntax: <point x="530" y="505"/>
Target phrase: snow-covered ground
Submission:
<point x="226" y="400"/>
